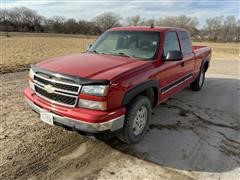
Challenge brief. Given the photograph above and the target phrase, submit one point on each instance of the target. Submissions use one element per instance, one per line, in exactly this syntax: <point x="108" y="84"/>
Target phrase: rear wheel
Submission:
<point x="198" y="83"/>
<point x="136" y="121"/>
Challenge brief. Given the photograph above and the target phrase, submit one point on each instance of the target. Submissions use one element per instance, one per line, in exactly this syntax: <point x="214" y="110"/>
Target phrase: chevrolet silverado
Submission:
<point x="113" y="86"/>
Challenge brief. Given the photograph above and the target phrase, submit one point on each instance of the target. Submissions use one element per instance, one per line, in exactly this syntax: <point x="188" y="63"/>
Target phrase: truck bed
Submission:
<point x="201" y="51"/>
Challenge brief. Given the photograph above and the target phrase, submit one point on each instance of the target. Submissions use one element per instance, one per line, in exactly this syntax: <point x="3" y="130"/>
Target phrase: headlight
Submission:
<point x="31" y="74"/>
<point x="31" y="77"/>
<point x="97" y="105"/>
<point x="96" y="90"/>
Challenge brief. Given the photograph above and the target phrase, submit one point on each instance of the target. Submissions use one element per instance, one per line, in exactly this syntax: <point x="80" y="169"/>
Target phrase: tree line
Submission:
<point x="22" y="19"/>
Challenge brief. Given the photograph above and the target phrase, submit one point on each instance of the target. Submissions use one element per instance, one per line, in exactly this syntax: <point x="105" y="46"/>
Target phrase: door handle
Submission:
<point x="182" y="63"/>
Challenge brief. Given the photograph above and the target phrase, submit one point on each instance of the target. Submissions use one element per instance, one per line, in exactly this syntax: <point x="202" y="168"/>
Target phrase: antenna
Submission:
<point x="152" y="26"/>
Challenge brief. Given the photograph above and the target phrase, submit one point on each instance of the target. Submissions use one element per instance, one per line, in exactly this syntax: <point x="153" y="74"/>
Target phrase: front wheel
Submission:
<point x="198" y="83"/>
<point x="136" y="121"/>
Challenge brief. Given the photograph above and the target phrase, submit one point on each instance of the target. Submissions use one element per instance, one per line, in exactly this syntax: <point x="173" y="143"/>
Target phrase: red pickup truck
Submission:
<point x="113" y="86"/>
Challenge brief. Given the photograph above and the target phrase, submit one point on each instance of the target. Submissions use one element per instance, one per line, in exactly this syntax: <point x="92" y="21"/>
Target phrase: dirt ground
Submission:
<point x="194" y="135"/>
<point x="21" y="50"/>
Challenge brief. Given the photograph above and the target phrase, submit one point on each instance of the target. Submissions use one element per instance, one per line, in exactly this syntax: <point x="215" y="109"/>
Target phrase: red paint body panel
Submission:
<point x="94" y="66"/>
<point x="124" y="74"/>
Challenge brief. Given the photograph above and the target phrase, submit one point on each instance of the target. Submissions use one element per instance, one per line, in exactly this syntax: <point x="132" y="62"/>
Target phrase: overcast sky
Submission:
<point x="87" y="10"/>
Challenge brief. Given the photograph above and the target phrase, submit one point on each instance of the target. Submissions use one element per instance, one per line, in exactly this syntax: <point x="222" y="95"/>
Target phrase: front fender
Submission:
<point x="139" y="89"/>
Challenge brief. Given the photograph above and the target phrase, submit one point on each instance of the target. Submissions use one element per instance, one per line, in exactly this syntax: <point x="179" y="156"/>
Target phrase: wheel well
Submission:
<point x="206" y="65"/>
<point x="151" y="94"/>
<point x="149" y="89"/>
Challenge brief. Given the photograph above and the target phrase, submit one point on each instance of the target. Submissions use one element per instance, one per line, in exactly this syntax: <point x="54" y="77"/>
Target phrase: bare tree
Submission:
<point x="182" y="21"/>
<point x="230" y="30"/>
<point x="107" y="20"/>
<point x="4" y="15"/>
<point x="55" y="24"/>
<point x="86" y="27"/>
<point x="219" y="29"/>
<point x="23" y="19"/>
<point x="214" y="28"/>
<point x="134" y="21"/>
<point x="149" y="22"/>
<point x="238" y="31"/>
<point x="71" y="26"/>
<point x="5" y="21"/>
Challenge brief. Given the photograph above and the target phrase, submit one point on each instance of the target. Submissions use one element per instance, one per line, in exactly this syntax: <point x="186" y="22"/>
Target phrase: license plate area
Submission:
<point x="46" y="117"/>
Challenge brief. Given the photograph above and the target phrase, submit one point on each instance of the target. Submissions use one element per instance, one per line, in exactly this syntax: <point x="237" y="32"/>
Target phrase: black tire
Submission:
<point x="128" y="134"/>
<point x="199" y="81"/>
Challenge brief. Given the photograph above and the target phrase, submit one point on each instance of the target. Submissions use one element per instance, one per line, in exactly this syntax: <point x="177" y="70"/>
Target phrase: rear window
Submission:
<point x="186" y="43"/>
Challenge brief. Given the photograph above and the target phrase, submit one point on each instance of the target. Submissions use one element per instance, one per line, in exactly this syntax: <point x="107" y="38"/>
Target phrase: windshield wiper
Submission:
<point x="94" y="51"/>
<point x="119" y="54"/>
<point x="126" y="55"/>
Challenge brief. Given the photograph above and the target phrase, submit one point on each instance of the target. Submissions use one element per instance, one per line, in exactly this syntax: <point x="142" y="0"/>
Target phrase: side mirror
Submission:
<point x="174" y="56"/>
<point x="89" y="46"/>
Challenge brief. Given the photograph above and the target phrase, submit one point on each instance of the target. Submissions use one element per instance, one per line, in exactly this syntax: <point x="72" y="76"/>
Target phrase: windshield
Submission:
<point x="133" y="44"/>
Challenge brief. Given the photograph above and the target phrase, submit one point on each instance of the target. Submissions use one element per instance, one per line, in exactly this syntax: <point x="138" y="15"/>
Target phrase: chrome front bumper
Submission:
<point x="111" y="125"/>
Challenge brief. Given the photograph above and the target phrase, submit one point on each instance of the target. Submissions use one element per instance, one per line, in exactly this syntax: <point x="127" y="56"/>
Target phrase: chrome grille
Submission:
<point x="64" y="93"/>
<point x="56" y="97"/>
<point x="57" y="85"/>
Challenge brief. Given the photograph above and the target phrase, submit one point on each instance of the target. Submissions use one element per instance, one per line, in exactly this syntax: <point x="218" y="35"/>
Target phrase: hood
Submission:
<point x="92" y="66"/>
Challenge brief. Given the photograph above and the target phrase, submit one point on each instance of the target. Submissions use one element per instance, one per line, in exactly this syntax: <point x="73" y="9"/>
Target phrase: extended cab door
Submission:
<point x="188" y="55"/>
<point x="171" y="73"/>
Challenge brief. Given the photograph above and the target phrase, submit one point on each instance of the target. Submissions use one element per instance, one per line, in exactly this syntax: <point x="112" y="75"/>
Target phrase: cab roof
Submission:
<point x="146" y="28"/>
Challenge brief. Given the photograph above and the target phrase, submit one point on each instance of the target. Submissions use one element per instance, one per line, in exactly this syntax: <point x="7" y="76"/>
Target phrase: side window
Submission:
<point x="171" y="43"/>
<point x="186" y="43"/>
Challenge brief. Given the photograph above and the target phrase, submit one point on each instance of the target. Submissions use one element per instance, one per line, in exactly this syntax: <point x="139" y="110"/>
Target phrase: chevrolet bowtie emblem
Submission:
<point x="49" y="88"/>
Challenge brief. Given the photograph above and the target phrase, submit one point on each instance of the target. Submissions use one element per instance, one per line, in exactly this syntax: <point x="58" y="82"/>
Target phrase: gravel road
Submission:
<point x="194" y="135"/>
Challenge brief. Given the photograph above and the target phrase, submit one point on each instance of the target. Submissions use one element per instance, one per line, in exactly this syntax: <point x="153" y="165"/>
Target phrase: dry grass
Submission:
<point x="18" y="52"/>
<point x="22" y="49"/>
<point x="223" y="51"/>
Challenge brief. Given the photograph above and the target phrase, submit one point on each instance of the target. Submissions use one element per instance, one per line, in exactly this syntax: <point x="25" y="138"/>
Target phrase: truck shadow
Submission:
<point x="194" y="131"/>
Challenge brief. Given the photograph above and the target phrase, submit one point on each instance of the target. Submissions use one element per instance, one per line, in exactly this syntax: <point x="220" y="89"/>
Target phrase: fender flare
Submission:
<point x="205" y="60"/>
<point x="138" y="89"/>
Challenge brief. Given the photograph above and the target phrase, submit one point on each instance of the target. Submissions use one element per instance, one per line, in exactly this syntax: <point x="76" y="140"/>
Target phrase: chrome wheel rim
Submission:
<point x="201" y="79"/>
<point x="140" y="120"/>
